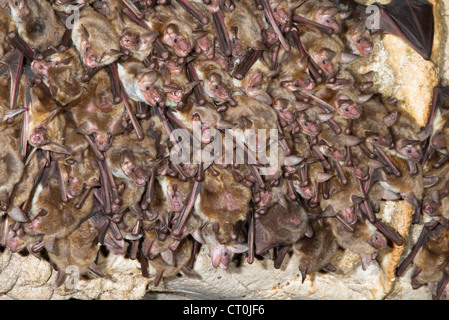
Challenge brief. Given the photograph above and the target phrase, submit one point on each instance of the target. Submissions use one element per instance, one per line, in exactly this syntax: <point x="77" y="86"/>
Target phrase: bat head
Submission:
<point x="326" y="17"/>
<point x="347" y="108"/>
<point x="216" y="88"/>
<point x="132" y="169"/>
<point x="175" y="40"/>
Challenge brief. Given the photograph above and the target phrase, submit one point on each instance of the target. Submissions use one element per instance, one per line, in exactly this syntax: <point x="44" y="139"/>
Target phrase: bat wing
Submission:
<point x="411" y="20"/>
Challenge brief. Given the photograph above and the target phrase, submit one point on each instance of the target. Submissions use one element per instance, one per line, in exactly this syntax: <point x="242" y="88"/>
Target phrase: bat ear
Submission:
<point x="121" y="23"/>
<point x="57" y="148"/>
<point x="425" y="133"/>
<point x="430" y="181"/>
<point x="328" y="212"/>
<point x="259" y="46"/>
<point x="238" y="248"/>
<point x="348" y="57"/>
<point x="198" y="34"/>
<point x="112" y="55"/>
<point x="390" y="118"/>
<point x="116" y="128"/>
<point x="436" y="197"/>
<point x="86" y="128"/>
<point x="364" y="98"/>
<point x="127" y="157"/>
<point x="359" y="28"/>
<point x="189" y="86"/>
<point x="84" y="33"/>
<point x="150" y="36"/>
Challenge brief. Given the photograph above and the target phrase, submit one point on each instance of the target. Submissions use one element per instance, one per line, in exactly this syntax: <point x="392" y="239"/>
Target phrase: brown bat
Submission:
<point x="45" y="123"/>
<point x="216" y="83"/>
<point x="326" y="51"/>
<point x="37" y="23"/>
<point x="223" y="202"/>
<point x="95" y="39"/>
<point x="255" y="81"/>
<point x="244" y="27"/>
<point x="62" y="74"/>
<point x="364" y="240"/>
<point x="316" y="253"/>
<point x="6" y="26"/>
<point x="251" y="114"/>
<point x="53" y="218"/>
<point x="220" y="253"/>
<point x="322" y="12"/>
<point x="284" y="223"/>
<point x="132" y="159"/>
<point x="141" y="84"/>
<point x="357" y="37"/>
<point x="95" y="114"/>
<point x="409" y="187"/>
<point x="11" y="165"/>
<point x="137" y="39"/>
<point x="180" y="257"/>
<point x="294" y="73"/>
<point x="430" y="264"/>
<point x="175" y="27"/>
<point x="79" y="249"/>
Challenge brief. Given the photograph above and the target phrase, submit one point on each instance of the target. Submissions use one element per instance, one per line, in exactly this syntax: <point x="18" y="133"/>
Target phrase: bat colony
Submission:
<point x="88" y="111"/>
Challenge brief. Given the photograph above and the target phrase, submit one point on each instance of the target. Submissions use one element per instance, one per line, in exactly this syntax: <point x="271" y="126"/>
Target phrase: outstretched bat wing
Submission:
<point x="411" y="20"/>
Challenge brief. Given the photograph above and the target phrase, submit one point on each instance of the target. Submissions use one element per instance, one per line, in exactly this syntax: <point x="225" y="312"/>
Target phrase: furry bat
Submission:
<point x="95" y="39"/>
<point x="37" y="23"/>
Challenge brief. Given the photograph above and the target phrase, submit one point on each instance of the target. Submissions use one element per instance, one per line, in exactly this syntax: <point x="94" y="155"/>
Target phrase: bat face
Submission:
<point x="19" y="8"/>
<point x="91" y="56"/>
<point x="378" y="140"/>
<point x="358" y="40"/>
<point x="147" y="85"/>
<point x="216" y="88"/>
<point x="308" y="127"/>
<point x="325" y="59"/>
<point x="280" y="12"/>
<point x="348" y="109"/>
<point x="326" y="16"/>
<point x="62" y="74"/>
<point x="409" y="150"/>
<point x="175" y="40"/>
<point x="137" y="173"/>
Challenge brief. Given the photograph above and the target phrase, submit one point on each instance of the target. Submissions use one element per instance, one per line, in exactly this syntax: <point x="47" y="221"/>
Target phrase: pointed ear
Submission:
<point x="328" y="212"/>
<point x="120" y="22"/>
<point x="53" y="90"/>
<point x="86" y="128"/>
<point x="116" y="128"/>
<point x="238" y="248"/>
<point x="113" y="54"/>
<point x="56" y="147"/>
<point x="430" y="181"/>
<point x="390" y="118"/>
<point x="84" y="33"/>
<point x="425" y="133"/>
<point x="359" y="28"/>
<point x="150" y="36"/>
<point x="364" y="98"/>
<point x="198" y="34"/>
<point x="189" y="86"/>
<point x="390" y="195"/>
<point x="348" y="57"/>
<point x="259" y="46"/>
<point x="436" y="197"/>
